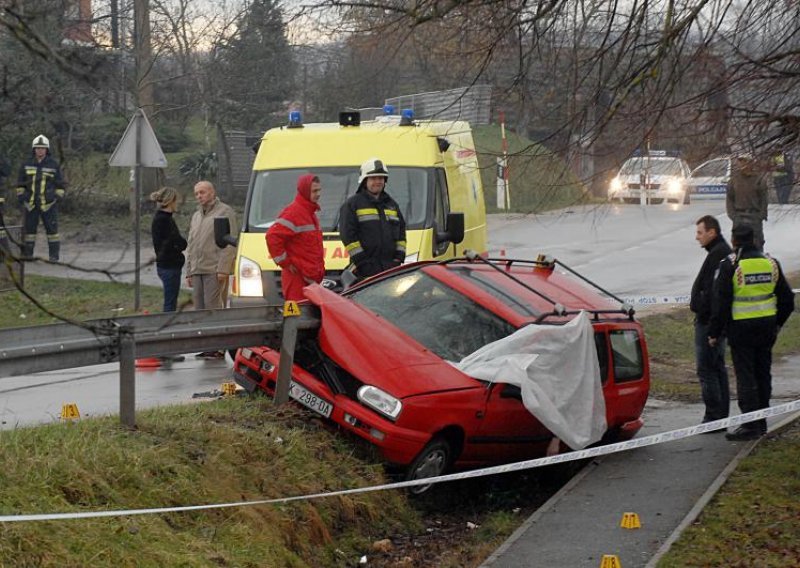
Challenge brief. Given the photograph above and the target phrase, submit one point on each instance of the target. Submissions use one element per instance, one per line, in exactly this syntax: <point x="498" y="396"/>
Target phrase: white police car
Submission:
<point x="656" y="177"/>
<point x="710" y="179"/>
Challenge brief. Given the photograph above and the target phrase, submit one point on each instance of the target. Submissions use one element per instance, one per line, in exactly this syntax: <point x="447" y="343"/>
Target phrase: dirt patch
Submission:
<point x="463" y="531"/>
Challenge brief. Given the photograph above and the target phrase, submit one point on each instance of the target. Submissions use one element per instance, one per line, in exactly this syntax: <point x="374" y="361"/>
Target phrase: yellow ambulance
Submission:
<point x="433" y="176"/>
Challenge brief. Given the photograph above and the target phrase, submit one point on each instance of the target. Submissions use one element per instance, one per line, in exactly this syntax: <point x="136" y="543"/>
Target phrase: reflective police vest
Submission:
<point x="754" y="288"/>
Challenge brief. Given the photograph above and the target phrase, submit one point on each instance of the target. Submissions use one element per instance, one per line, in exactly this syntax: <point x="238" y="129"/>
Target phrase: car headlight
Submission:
<point x="411" y="258"/>
<point x="250" y="278"/>
<point x="615" y="186"/>
<point x="674" y="186"/>
<point x="383" y="402"/>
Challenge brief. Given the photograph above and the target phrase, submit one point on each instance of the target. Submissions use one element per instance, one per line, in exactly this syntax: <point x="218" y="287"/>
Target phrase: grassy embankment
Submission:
<point x="538" y="180"/>
<point x="219" y="451"/>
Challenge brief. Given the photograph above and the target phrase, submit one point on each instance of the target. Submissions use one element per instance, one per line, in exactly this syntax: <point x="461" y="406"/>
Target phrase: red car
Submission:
<point x="380" y="364"/>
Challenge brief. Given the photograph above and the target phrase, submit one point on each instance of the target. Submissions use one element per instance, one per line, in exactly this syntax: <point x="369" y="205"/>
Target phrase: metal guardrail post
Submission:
<point x="127" y="377"/>
<point x="288" y="341"/>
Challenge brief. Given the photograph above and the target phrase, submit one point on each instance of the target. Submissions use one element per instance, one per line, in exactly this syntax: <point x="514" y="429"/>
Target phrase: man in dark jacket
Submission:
<point x="295" y="240"/>
<point x="710" y="360"/>
<point x="371" y="225"/>
<point x="752" y="300"/>
<point x="40" y="187"/>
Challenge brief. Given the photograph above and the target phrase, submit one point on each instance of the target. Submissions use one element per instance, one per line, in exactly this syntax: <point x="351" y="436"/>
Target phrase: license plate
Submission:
<point x="309" y="399"/>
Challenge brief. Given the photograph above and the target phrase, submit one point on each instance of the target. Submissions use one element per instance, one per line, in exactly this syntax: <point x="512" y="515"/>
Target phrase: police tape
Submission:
<point x="597" y="451"/>
<point x="654" y="299"/>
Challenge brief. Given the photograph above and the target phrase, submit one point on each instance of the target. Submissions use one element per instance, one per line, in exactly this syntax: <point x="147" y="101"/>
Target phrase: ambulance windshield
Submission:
<point x="274" y="189"/>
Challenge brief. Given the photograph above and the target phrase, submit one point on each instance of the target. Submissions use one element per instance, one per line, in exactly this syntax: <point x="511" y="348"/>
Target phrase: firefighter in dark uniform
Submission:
<point x="371" y="225"/>
<point x="752" y="301"/>
<point x="39" y="189"/>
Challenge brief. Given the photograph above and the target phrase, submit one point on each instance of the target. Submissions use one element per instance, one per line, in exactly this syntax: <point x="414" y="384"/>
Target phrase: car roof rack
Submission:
<point x="549" y="263"/>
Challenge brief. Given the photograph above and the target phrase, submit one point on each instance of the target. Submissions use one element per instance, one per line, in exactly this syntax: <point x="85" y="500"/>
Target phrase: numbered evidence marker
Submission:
<point x="290" y="309"/>
<point x="228" y="389"/>
<point x="630" y="521"/>
<point x="70" y="411"/>
<point x="610" y="561"/>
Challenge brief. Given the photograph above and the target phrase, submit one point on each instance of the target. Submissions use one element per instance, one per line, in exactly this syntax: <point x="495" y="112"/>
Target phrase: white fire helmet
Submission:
<point x="373" y="167"/>
<point x="41" y="141"/>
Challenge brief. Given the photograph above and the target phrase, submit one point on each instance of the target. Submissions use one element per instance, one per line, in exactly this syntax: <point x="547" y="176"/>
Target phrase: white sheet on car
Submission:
<point x="557" y="370"/>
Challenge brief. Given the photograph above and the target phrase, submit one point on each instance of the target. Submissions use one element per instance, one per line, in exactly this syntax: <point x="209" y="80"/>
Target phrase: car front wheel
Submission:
<point x="432" y="461"/>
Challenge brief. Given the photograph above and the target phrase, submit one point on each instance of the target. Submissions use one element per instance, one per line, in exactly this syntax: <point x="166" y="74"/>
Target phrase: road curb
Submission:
<point x="712" y="490"/>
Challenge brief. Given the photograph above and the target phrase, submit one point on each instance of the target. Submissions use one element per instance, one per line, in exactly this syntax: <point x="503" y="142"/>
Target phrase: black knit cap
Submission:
<point x="743" y="234"/>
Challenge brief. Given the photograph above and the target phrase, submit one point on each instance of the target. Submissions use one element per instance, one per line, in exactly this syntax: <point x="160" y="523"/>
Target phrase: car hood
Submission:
<point x="654" y="178"/>
<point x="377" y="353"/>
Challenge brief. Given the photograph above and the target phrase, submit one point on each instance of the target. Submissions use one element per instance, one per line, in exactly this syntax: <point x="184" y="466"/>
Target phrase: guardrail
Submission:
<point x="67" y="345"/>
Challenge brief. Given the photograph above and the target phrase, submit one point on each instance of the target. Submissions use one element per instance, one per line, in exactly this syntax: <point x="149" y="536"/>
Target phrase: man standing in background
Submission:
<point x="783" y="177"/>
<point x="40" y="186"/>
<point x="208" y="267"/>
<point x="746" y="199"/>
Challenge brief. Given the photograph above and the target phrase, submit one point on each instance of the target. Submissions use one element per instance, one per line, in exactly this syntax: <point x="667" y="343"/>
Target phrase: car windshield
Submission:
<point x="445" y="321"/>
<point x="274" y="189"/>
<point x="656" y="166"/>
<point x="717" y="168"/>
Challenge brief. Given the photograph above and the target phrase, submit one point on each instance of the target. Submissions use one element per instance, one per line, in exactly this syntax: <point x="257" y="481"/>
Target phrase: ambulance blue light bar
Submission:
<point x="295" y="119"/>
<point x="388" y="109"/>
<point x="406" y="117"/>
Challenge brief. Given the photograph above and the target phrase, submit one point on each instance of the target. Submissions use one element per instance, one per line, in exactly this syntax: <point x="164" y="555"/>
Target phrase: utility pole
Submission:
<point x="144" y="55"/>
<point x="144" y="101"/>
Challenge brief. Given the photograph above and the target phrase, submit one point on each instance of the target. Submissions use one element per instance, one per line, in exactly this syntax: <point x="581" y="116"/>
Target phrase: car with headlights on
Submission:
<point x="654" y="178"/>
<point x="467" y="362"/>
<point x="710" y="180"/>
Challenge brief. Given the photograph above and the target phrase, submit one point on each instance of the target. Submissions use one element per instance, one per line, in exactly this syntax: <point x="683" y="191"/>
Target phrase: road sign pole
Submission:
<point x="136" y="208"/>
<point x="288" y="341"/>
<point x="127" y="378"/>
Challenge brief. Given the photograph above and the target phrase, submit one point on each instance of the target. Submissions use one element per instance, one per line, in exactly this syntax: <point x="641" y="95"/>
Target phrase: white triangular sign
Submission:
<point x="150" y="154"/>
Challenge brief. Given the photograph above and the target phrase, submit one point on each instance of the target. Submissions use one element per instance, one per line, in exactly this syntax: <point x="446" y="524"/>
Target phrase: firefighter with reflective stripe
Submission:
<point x="371" y="225"/>
<point x="294" y="240"/>
<point x="40" y="186"/>
<point x="752" y="300"/>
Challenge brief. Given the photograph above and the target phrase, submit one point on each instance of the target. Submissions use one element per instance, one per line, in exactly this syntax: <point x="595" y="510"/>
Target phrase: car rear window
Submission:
<point x="626" y="351"/>
<point x="438" y="317"/>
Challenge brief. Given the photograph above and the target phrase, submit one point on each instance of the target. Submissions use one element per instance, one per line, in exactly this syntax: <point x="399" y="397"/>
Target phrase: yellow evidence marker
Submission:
<point x="70" y="411"/>
<point x="290" y="309"/>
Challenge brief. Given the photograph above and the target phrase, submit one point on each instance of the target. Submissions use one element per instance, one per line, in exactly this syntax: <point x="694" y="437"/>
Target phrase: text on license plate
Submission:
<point x="310" y="400"/>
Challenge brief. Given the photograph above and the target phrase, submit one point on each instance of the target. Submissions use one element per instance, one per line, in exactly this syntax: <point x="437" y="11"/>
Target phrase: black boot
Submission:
<point x="54" y="248"/>
<point x="746" y="432"/>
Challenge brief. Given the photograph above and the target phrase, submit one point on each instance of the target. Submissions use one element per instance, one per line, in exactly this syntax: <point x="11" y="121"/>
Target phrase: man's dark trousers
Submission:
<point x="50" y="221"/>
<point x="752" y="362"/>
<point x="712" y="374"/>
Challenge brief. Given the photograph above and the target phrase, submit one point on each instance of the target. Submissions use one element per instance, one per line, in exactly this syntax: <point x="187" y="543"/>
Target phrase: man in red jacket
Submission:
<point x="295" y="240"/>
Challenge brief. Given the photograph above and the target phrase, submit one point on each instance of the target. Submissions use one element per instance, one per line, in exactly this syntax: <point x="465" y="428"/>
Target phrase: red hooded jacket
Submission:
<point x="295" y="242"/>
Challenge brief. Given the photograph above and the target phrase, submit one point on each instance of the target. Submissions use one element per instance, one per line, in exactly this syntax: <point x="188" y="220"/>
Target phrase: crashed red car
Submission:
<point x="383" y="362"/>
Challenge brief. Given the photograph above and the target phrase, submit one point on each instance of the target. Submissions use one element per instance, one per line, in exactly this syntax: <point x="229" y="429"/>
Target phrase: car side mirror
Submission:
<point x="222" y="233"/>
<point x="454" y="231"/>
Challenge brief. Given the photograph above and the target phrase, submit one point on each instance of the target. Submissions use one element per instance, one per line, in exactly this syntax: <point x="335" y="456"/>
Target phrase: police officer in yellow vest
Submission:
<point x="752" y="300"/>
